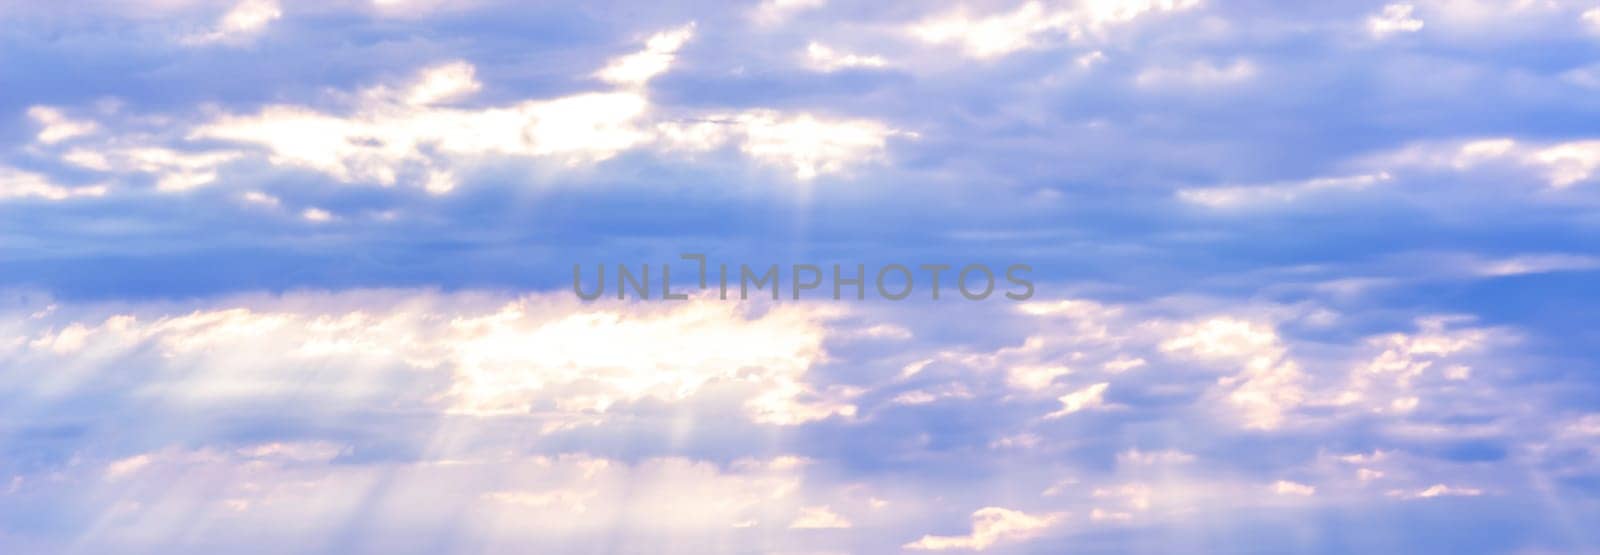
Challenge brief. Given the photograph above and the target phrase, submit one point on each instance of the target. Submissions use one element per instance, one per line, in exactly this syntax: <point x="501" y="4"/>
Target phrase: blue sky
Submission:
<point x="288" y="276"/>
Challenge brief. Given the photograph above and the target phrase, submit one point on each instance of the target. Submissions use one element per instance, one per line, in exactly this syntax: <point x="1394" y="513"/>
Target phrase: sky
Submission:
<point x="295" y="277"/>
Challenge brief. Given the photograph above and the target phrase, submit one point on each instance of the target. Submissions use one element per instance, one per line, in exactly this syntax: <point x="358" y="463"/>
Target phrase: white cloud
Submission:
<point x="1123" y="364"/>
<point x="83" y="143"/>
<point x="512" y="358"/>
<point x="1018" y="441"/>
<point x="544" y="355"/>
<point x="1585" y="76"/>
<point x="890" y="332"/>
<point x="1091" y="59"/>
<point x="639" y="68"/>
<point x="1570" y="162"/>
<point x="570" y="499"/>
<point x="507" y="501"/>
<point x="550" y="370"/>
<point x="1147" y="458"/>
<point x="1536" y="264"/>
<point x="1435" y="339"/>
<point x="243" y="21"/>
<point x="316" y="215"/>
<point x="126" y="466"/>
<point x="389" y="134"/>
<point x="406" y="135"/>
<point x="1256" y="377"/>
<point x="806" y="144"/>
<point x="1134" y="496"/>
<point x="1436" y="490"/>
<point x="1035" y="377"/>
<point x="174" y="170"/>
<point x="809" y="145"/>
<point x="1286" y="487"/>
<point x="1388" y="379"/>
<point x="1103" y="515"/>
<point x="1089" y="397"/>
<point x="993" y="35"/>
<point x="925" y="396"/>
<point x="1260" y="383"/>
<point x="772" y="12"/>
<point x="818" y="517"/>
<point x="1094" y="14"/>
<point x="1235" y="196"/>
<point x="442" y="83"/>
<point x="1225" y="337"/>
<point x="18" y="184"/>
<point x="1033" y="25"/>
<point x="991" y="525"/>
<point x="1200" y="73"/>
<point x="1269" y="384"/>
<point x="1562" y="164"/>
<point x="261" y="199"/>
<point x="824" y="58"/>
<point x="1395" y="18"/>
<point x="54" y="126"/>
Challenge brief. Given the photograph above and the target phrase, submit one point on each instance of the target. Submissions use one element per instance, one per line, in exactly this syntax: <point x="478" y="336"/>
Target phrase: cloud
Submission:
<point x="663" y="360"/>
<point x="1537" y="264"/>
<point x="1235" y="196"/>
<point x="820" y="517"/>
<point x="990" y="36"/>
<point x="175" y="170"/>
<point x="1148" y="458"/>
<point x="1087" y="398"/>
<point x="444" y="83"/>
<point x="535" y="355"/>
<point x="602" y="422"/>
<point x="1436" y="490"/>
<point x="925" y="396"/>
<point x="242" y="22"/>
<point x="399" y="132"/>
<point x="1102" y="515"/>
<point x="412" y="134"/>
<point x="18" y="184"/>
<point x="261" y="199"/>
<point x="1035" y="378"/>
<point x="1395" y="18"/>
<point x="809" y="145"/>
<point x="89" y="145"/>
<point x="638" y="68"/>
<point x="1562" y="164"/>
<point x="327" y="297"/>
<point x="1391" y="375"/>
<point x="1197" y="74"/>
<point x="55" y="126"/>
<point x="1569" y="163"/>
<point x="316" y="215"/>
<point x="1032" y="24"/>
<point x="772" y="12"/>
<point x="510" y="500"/>
<point x="1285" y="487"/>
<point x="825" y="58"/>
<point x="1269" y="384"/>
<point x="1135" y="496"/>
<point x="990" y="526"/>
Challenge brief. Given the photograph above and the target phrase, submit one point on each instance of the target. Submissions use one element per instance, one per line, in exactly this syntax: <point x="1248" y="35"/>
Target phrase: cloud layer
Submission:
<point x="1309" y="278"/>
